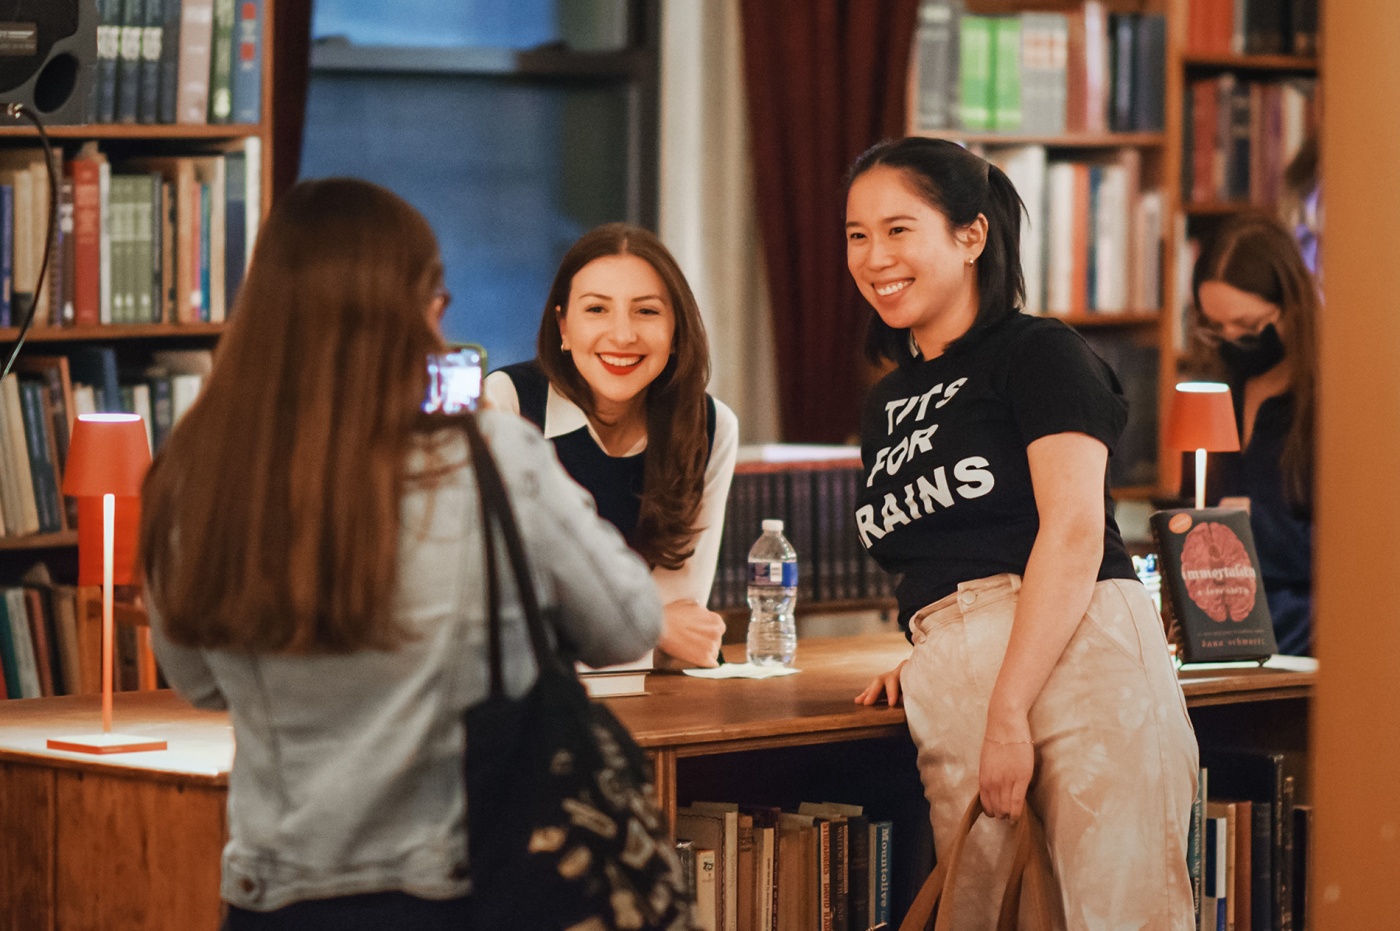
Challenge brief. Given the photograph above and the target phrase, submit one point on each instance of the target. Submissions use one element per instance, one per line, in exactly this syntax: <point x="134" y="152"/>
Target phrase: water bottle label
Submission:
<point x="776" y="572"/>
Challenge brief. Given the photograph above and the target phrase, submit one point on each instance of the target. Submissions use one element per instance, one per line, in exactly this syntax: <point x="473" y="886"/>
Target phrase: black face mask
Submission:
<point x="1254" y="355"/>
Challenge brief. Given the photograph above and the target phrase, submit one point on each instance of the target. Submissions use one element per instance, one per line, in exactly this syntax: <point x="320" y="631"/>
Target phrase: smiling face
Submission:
<point x="915" y="270"/>
<point x="618" y="326"/>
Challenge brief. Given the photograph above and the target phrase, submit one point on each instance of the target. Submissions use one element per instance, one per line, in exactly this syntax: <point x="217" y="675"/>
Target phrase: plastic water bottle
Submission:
<point x="772" y="598"/>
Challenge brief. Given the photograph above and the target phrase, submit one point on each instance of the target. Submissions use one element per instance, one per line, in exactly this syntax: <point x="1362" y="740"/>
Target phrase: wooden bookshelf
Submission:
<point x="133" y="344"/>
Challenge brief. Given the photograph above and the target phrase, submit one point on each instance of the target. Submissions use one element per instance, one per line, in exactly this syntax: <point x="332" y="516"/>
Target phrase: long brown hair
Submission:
<point x="1255" y="254"/>
<point x="270" y="519"/>
<point x="677" y="436"/>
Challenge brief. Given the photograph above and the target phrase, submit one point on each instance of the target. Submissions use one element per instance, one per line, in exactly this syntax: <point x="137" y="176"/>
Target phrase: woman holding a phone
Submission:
<point x="618" y="385"/>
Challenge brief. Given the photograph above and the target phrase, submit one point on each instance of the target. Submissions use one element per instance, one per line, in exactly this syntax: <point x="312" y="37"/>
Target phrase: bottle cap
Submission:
<point x="772" y="526"/>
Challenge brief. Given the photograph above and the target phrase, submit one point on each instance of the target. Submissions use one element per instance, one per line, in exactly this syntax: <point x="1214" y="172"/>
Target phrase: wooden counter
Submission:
<point x="133" y="840"/>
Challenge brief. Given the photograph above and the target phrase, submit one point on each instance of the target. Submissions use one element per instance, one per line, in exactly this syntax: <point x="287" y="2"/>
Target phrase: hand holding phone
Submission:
<point x="454" y="380"/>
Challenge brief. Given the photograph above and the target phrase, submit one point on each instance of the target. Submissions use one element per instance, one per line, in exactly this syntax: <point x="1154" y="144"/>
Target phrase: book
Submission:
<point x="168" y="70"/>
<point x="21" y="508"/>
<point x="1006" y="74"/>
<point x="1044" y="46"/>
<point x="27" y="667"/>
<point x="706" y="889"/>
<point x="1211" y="577"/>
<point x="7" y="246"/>
<point x="248" y="63"/>
<point x="1269" y="779"/>
<point x="109" y="44"/>
<point x="195" y="59"/>
<point x="976" y="51"/>
<point x="152" y="38"/>
<point x="797" y="874"/>
<point x="715" y="826"/>
<point x="133" y="20"/>
<point x="614" y="684"/>
<point x="223" y="38"/>
<point x="1224" y="813"/>
<point x="934" y="70"/>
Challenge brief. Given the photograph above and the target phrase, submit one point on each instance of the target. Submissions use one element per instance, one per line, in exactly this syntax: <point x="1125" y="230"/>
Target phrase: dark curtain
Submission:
<point x="291" y="64"/>
<point x="826" y="80"/>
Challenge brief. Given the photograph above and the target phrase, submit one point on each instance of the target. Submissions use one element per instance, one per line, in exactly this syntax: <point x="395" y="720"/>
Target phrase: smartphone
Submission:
<point x="454" y="379"/>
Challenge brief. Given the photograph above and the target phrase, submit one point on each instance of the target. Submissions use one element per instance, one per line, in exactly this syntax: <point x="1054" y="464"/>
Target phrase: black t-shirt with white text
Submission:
<point x="946" y="494"/>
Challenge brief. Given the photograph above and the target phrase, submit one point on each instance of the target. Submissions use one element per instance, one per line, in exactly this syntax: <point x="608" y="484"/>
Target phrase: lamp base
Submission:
<point x="106" y="743"/>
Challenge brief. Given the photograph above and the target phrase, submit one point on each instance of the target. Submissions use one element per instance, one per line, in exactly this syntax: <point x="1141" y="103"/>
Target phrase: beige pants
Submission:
<point x="1116" y="758"/>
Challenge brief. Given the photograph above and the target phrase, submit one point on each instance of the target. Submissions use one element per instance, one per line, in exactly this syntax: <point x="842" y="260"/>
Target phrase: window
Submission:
<point x="514" y="128"/>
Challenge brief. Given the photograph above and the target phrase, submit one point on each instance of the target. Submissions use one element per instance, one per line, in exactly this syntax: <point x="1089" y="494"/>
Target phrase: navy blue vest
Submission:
<point x="614" y="481"/>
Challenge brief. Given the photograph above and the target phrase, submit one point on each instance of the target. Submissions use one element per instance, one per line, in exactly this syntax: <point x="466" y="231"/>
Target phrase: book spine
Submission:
<point x="247" y="65"/>
<point x="152" y="38"/>
<point x="87" y="242"/>
<point x="196" y="56"/>
<point x="975" y="73"/>
<point x="7" y="246"/>
<point x="43" y="473"/>
<point x="1006" y="74"/>
<point x="129" y="59"/>
<point x="882" y="853"/>
<point x="109" y="44"/>
<point x="935" y="65"/>
<point x="168" y="70"/>
<point x="222" y="44"/>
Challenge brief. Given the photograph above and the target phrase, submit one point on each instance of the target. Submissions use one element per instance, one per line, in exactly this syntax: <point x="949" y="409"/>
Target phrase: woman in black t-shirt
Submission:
<point x="1039" y="664"/>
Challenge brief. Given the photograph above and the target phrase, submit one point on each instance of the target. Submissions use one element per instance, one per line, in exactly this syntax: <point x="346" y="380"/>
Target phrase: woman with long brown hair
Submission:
<point x="316" y="566"/>
<point x="1257" y="308"/>
<point x="618" y="384"/>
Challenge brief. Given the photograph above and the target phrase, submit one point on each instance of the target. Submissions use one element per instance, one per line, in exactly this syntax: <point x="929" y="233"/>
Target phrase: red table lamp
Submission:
<point x="107" y="460"/>
<point x="1203" y="419"/>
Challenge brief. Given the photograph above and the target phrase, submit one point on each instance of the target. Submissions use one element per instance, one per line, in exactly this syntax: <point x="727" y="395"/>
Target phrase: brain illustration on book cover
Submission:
<point x="1210" y="573"/>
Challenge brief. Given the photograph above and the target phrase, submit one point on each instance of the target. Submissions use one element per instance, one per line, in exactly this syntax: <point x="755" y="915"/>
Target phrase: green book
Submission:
<point x="221" y="62"/>
<point x="1006" y="73"/>
<point x="975" y="73"/>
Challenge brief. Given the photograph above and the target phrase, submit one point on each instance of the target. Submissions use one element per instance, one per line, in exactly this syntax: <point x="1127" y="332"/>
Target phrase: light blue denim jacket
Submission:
<point x="347" y="776"/>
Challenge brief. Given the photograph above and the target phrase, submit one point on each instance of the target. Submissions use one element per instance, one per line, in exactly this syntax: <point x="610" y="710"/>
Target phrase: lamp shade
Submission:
<point x="1203" y="417"/>
<point x="107" y="455"/>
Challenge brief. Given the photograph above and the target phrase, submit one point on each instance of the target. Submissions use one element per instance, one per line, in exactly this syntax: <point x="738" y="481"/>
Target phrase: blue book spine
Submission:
<point x="129" y="60"/>
<point x="152" y="38"/>
<point x="7" y="254"/>
<point x="9" y="660"/>
<point x="883" y="855"/>
<point x="206" y="223"/>
<point x="109" y="44"/>
<point x="247" y="62"/>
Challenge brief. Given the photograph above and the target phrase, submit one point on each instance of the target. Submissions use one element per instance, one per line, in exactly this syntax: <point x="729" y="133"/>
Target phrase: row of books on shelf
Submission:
<point x="1239" y="135"/>
<point x="51" y="642"/>
<point x="157" y="239"/>
<point x="825" y="867"/>
<point x="39" y="400"/>
<point x="1092" y="240"/>
<point x="177" y="61"/>
<point x="1252" y="27"/>
<point x="1249" y="850"/>
<point x="1037" y="73"/>
<point x="815" y="499"/>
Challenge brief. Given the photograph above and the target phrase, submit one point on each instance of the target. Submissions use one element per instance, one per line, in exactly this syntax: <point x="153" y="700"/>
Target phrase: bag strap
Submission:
<point x="496" y="509"/>
<point x="1030" y="868"/>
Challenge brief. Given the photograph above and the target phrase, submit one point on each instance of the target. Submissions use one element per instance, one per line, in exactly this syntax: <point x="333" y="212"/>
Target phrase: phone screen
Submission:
<point x="454" y="380"/>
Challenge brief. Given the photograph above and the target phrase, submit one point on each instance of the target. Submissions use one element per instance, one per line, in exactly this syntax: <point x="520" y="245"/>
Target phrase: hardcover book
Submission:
<point x="1210" y="574"/>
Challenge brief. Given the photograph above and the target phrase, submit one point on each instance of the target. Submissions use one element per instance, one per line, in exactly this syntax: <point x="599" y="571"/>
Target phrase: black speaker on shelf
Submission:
<point x="48" y="49"/>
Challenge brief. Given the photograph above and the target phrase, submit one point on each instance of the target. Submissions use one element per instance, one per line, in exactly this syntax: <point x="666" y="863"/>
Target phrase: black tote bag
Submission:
<point x="563" y="827"/>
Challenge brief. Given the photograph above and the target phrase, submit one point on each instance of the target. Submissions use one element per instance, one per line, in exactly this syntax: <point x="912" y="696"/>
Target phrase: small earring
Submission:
<point x="971" y="260"/>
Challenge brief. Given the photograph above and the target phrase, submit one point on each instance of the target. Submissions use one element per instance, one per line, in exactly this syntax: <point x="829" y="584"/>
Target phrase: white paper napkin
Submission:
<point x="741" y="671"/>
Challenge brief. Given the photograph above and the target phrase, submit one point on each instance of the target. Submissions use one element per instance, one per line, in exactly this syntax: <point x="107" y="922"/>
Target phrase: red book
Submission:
<point x="43" y="651"/>
<point x="86" y="172"/>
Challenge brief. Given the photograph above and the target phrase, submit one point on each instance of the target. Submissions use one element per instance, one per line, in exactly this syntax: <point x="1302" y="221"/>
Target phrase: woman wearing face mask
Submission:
<point x="618" y="385"/>
<point x="1257" y="302"/>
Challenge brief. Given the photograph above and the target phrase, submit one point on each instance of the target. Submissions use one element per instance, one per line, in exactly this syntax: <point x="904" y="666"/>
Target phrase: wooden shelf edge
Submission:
<point x="40" y="541"/>
<point x="1105" y="140"/>
<point x="171" y="131"/>
<point x="1230" y="60"/>
<point x="53" y="334"/>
